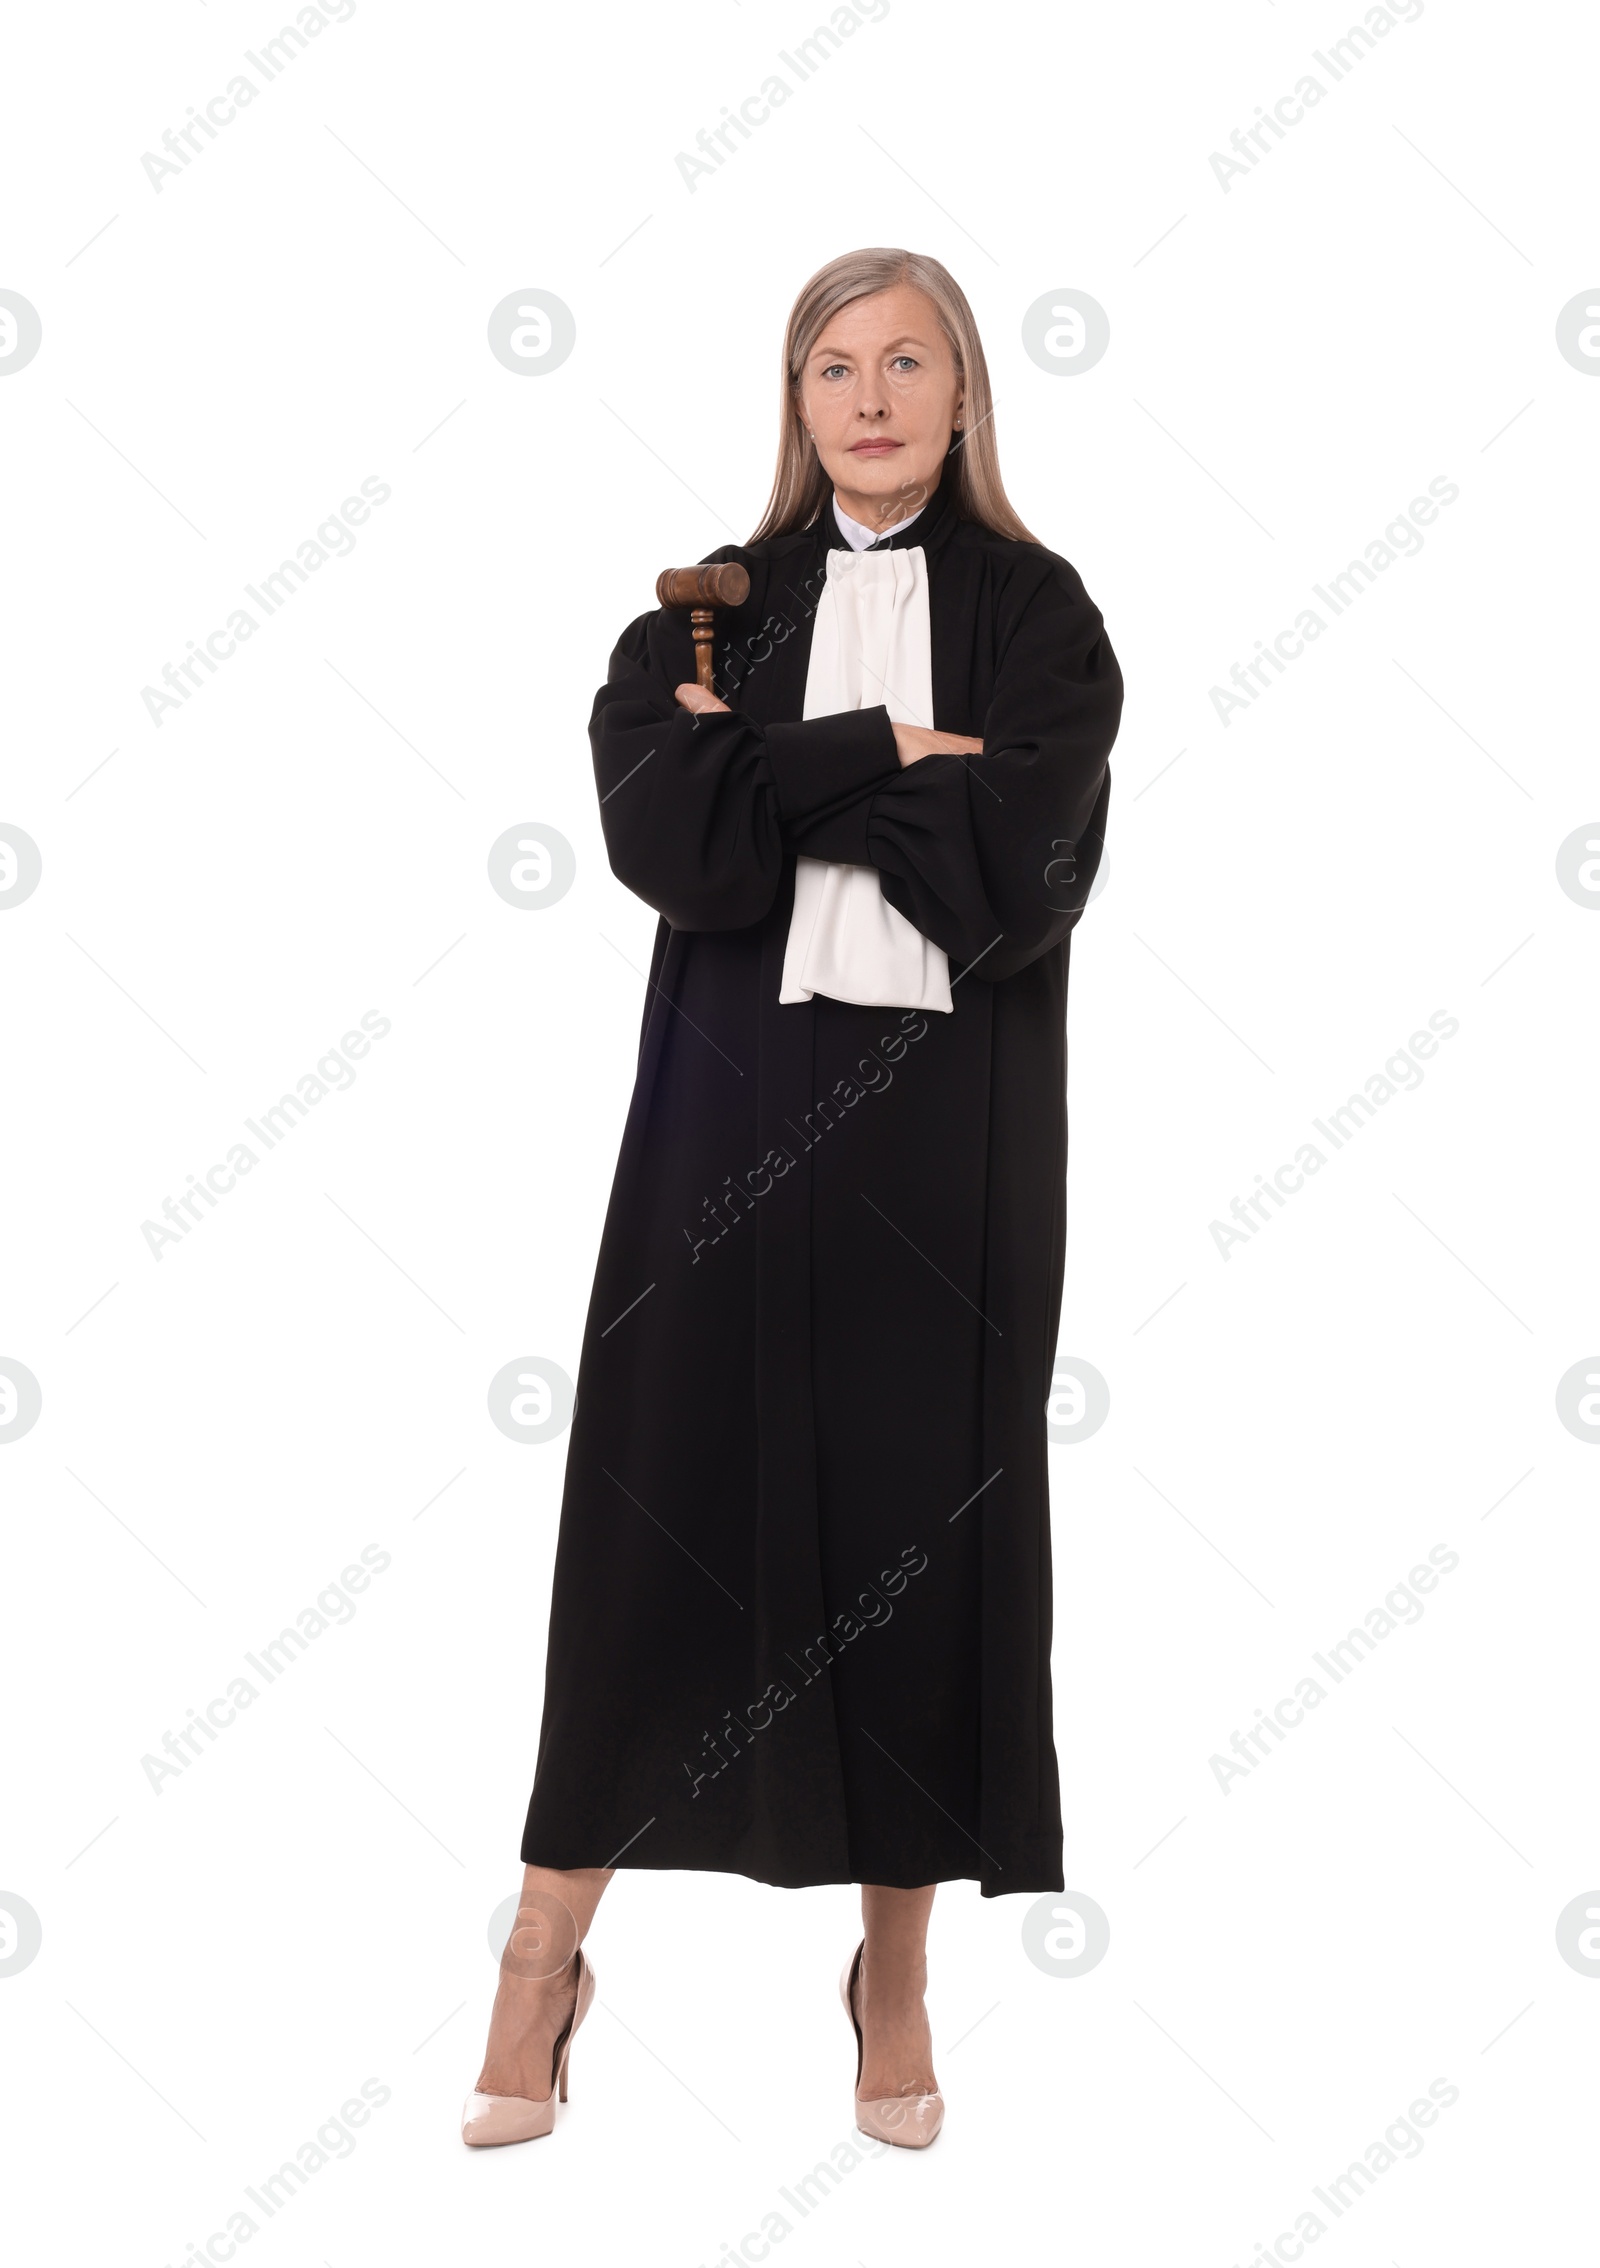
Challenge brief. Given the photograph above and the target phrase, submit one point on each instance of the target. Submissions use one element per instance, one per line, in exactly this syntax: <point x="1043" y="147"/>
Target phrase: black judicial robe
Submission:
<point x="801" y="1605"/>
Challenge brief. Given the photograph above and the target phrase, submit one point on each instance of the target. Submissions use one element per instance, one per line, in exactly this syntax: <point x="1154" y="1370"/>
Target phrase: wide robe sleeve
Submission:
<point x="993" y="856"/>
<point x="698" y="811"/>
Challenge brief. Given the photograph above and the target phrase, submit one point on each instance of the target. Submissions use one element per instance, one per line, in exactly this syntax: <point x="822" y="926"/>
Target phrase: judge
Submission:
<point x="800" y="1618"/>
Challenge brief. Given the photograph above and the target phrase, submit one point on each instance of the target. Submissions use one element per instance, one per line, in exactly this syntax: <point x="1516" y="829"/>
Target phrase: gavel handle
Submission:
<point x="701" y="620"/>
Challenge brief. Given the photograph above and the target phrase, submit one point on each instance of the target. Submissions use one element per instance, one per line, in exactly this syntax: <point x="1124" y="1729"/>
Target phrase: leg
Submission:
<point x="530" y="2012"/>
<point x="898" y="2053"/>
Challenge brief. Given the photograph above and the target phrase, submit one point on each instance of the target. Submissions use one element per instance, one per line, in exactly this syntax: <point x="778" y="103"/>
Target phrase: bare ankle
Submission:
<point x="895" y="1976"/>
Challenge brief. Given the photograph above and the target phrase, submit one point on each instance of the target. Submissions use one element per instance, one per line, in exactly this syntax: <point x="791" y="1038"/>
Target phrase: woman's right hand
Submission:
<point x="915" y="741"/>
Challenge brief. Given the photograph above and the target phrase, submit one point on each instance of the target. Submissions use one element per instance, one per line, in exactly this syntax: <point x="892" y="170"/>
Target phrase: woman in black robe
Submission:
<point x="800" y="1621"/>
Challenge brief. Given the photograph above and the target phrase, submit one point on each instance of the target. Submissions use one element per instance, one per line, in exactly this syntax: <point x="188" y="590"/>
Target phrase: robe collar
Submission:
<point x="929" y="529"/>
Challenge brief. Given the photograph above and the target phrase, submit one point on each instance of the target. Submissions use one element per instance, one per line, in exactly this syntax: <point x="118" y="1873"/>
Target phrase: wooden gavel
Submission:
<point x="700" y="589"/>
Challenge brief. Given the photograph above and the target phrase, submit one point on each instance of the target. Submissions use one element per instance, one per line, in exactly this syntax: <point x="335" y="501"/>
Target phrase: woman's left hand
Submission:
<point x="703" y="704"/>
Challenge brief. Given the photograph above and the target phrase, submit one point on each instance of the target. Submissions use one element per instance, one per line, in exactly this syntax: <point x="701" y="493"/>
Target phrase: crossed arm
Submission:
<point x="911" y="741"/>
<point x="701" y="805"/>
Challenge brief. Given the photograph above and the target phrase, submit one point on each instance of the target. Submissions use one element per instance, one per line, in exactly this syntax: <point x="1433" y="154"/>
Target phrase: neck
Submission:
<point x="880" y="512"/>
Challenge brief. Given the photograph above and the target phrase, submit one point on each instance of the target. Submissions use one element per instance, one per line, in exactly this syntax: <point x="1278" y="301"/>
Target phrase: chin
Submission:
<point x="881" y="476"/>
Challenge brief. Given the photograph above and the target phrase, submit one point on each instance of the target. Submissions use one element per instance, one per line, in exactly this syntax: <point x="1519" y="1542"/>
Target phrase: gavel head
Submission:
<point x="727" y="585"/>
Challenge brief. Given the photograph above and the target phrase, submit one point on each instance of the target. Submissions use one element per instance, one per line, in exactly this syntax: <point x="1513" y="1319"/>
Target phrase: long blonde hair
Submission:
<point x="800" y="487"/>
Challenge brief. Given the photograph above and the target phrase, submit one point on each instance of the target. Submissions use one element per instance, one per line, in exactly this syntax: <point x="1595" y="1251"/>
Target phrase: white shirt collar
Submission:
<point x="859" y="537"/>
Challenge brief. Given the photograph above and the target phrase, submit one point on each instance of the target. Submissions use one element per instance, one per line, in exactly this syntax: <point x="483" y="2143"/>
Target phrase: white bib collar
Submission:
<point x="870" y="643"/>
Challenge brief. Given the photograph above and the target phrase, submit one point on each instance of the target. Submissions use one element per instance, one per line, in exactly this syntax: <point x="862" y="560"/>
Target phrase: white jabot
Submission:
<point x="857" y="535"/>
<point x="870" y="643"/>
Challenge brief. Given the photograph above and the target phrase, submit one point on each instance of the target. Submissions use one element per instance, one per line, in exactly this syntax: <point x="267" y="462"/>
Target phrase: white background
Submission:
<point x="1291" y="1428"/>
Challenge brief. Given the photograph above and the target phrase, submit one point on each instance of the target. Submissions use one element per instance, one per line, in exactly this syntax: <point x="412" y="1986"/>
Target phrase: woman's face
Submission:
<point x="881" y="394"/>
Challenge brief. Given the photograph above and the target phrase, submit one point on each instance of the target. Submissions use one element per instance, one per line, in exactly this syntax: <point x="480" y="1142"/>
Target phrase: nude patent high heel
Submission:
<point x="487" y="2119"/>
<point x="909" y="2121"/>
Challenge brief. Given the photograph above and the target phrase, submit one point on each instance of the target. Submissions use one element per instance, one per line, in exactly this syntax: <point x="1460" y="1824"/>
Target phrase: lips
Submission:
<point x="874" y="448"/>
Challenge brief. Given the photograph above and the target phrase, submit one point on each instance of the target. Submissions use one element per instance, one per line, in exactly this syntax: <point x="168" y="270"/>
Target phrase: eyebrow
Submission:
<point x="892" y="346"/>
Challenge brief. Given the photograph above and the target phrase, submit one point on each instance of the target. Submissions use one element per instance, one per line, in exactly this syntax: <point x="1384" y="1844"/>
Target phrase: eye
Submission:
<point x="832" y="367"/>
<point x="908" y="360"/>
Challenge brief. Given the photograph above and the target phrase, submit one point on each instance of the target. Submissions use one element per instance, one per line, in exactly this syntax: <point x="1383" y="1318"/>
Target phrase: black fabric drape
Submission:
<point x="800" y="1620"/>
